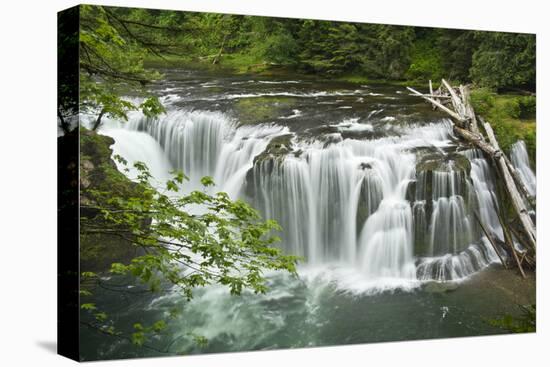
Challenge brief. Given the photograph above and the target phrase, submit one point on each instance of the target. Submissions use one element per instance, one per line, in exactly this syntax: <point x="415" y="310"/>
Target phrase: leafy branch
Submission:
<point x="186" y="240"/>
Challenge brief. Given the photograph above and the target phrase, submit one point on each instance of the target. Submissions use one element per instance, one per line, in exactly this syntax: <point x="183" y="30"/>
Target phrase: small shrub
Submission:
<point x="526" y="322"/>
<point x="527" y="106"/>
<point x="483" y="100"/>
<point x="511" y="108"/>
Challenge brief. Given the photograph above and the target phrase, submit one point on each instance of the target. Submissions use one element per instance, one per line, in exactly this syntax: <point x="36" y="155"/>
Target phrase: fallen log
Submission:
<point x="514" y="252"/>
<point x="431" y="96"/>
<point x="494" y="151"/>
<point x="470" y="114"/>
<point x="528" y="259"/>
<point x="466" y="127"/>
<point x="519" y="181"/>
<point x="432" y="93"/>
<point x="455" y="99"/>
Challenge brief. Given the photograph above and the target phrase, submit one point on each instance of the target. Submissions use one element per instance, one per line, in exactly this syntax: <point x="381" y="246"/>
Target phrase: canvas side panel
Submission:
<point x="67" y="185"/>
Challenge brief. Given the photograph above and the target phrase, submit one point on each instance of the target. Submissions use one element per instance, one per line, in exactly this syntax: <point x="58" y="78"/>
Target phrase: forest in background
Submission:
<point x="495" y="60"/>
<point x="125" y="46"/>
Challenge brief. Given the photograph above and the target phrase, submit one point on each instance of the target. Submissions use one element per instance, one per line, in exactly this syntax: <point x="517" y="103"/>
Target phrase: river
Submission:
<point x="369" y="185"/>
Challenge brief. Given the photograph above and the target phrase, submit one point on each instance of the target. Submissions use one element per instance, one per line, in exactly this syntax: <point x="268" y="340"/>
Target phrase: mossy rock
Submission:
<point x="99" y="172"/>
<point x="262" y="109"/>
<point x="437" y="162"/>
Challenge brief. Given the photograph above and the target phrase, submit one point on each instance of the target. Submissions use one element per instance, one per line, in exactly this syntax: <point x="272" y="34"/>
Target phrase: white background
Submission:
<point x="28" y="182"/>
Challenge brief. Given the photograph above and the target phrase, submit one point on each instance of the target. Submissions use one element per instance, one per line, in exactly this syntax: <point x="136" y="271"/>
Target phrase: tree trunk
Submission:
<point x="98" y="120"/>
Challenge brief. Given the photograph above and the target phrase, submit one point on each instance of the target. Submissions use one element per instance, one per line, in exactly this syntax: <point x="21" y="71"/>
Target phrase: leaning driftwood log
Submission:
<point x="516" y="198"/>
<point x="437" y="104"/>
<point x="466" y="127"/>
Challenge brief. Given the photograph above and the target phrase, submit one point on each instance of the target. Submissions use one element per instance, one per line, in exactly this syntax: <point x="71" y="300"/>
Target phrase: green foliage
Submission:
<point x="230" y="239"/>
<point x="115" y="42"/>
<point x="200" y="340"/>
<point x="511" y="108"/>
<point x="278" y="48"/>
<point x="483" y="100"/>
<point x="525" y="323"/>
<point x="527" y="107"/>
<point x="509" y="116"/>
<point x="141" y="333"/>
<point x="226" y="243"/>
<point x="152" y="107"/>
<point x="380" y="51"/>
<point x="111" y="57"/>
<point x="456" y="48"/>
<point x="426" y="60"/>
<point x="504" y="60"/>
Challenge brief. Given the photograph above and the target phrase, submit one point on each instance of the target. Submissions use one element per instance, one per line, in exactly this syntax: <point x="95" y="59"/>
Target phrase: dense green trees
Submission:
<point x="489" y="59"/>
<point x="111" y="56"/>
<point x="504" y="60"/>
<point x="126" y="36"/>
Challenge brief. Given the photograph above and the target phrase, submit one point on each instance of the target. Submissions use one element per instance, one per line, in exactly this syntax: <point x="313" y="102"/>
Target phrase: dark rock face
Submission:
<point x="277" y="148"/>
<point x="275" y="152"/>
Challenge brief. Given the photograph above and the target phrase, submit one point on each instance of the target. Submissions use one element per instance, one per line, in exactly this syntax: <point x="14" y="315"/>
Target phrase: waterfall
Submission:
<point x="450" y="229"/>
<point x="483" y="182"/>
<point x="204" y="143"/>
<point x="520" y="160"/>
<point x="137" y="146"/>
<point x="360" y="204"/>
<point x="448" y="238"/>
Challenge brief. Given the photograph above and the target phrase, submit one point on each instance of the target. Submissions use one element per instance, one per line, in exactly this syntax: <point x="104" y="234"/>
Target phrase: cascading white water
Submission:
<point x="386" y="240"/>
<point x="482" y="180"/>
<point x="520" y="160"/>
<point x="135" y="146"/>
<point x="450" y="228"/>
<point x="456" y="247"/>
<point x="238" y="152"/>
<point x="338" y="200"/>
<point x="204" y="143"/>
<point x="191" y="140"/>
